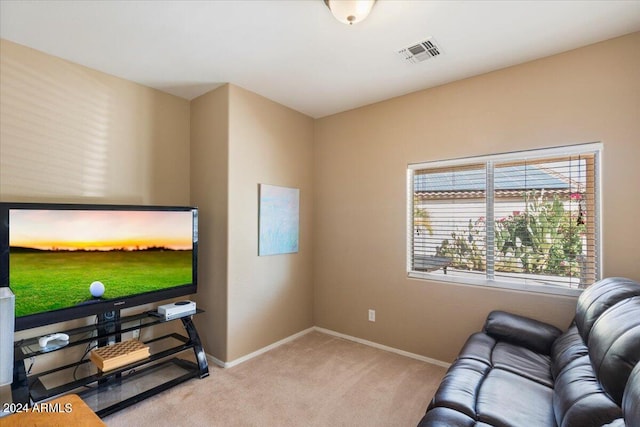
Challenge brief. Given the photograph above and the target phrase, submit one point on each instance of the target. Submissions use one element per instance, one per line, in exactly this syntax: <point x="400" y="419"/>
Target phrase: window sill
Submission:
<point x="514" y="286"/>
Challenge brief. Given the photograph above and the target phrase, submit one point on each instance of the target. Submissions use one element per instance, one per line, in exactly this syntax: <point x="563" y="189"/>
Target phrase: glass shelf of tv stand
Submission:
<point x="86" y="334"/>
<point x="105" y="392"/>
<point x="170" y="363"/>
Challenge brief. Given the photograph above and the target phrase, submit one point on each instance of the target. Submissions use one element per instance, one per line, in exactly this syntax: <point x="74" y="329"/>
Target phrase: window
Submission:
<point x="525" y="220"/>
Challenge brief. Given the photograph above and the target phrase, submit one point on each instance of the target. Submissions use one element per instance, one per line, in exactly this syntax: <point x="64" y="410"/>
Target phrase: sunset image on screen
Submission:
<point x="55" y="255"/>
<point x="100" y="230"/>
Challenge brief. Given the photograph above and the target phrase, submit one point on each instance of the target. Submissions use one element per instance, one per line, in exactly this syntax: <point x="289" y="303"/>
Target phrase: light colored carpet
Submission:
<point x="314" y="380"/>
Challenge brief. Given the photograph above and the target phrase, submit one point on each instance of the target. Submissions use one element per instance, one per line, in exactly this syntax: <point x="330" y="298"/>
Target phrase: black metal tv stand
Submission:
<point x="108" y="392"/>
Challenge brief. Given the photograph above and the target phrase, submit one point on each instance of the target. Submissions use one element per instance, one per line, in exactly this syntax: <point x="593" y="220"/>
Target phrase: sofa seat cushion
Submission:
<point x="481" y="393"/>
<point x="509" y="357"/>
<point x="631" y="401"/>
<point x="460" y="386"/>
<point x="445" y="417"/>
<point x="478" y="346"/>
<point x="507" y="399"/>
<point x="524" y="362"/>
<point x="578" y="399"/>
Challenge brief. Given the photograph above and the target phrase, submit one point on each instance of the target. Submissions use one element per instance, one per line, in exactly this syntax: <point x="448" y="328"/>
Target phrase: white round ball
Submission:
<point x="97" y="289"/>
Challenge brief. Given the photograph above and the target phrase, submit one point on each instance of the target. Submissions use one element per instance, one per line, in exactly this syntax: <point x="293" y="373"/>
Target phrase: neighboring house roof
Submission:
<point x="508" y="182"/>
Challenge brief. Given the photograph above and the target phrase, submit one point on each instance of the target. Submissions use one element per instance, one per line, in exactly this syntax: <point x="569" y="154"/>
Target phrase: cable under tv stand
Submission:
<point x="116" y="389"/>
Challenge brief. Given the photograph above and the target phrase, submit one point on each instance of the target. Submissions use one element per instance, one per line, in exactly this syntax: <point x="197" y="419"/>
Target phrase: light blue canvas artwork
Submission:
<point x="279" y="220"/>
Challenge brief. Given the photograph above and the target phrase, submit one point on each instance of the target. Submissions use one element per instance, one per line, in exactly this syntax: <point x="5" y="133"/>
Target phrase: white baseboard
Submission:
<point x="384" y="347"/>
<point x="211" y="359"/>
<point x="258" y="352"/>
<point x="249" y="356"/>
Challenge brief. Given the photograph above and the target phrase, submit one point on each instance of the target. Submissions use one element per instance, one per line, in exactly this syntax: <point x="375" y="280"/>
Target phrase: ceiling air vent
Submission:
<point x="421" y="51"/>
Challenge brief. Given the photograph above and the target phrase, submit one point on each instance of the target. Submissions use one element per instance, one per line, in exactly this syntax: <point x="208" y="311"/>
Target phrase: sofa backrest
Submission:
<point x="608" y="320"/>
<point x="614" y="346"/>
<point x="598" y="298"/>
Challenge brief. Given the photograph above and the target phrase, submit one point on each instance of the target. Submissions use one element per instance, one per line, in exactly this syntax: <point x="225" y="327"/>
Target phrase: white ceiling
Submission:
<point x="294" y="51"/>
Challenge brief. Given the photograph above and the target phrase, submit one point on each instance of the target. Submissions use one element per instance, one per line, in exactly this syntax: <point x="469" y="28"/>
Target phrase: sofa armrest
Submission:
<point x="532" y="334"/>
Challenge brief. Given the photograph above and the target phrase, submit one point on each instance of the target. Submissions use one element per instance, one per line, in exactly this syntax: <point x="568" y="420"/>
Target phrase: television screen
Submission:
<point x="69" y="261"/>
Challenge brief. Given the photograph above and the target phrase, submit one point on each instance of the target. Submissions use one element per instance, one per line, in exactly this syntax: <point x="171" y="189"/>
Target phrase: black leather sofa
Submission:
<point x="522" y="372"/>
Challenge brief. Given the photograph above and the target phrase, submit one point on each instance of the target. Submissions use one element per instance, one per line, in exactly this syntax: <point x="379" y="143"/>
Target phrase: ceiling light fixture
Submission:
<point x="350" y="11"/>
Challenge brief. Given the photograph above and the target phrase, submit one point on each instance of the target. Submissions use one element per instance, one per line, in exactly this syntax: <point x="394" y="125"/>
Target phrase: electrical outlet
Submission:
<point x="372" y="315"/>
<point x="136" y="334"/>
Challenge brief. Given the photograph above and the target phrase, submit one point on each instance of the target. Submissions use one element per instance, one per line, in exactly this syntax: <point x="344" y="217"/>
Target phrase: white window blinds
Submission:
<point x="449" y="213"/>
<point x="521" y="218"/>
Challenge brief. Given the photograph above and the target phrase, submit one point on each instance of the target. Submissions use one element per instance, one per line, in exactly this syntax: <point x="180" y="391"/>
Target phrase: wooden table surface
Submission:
<point x="63" y="411"/>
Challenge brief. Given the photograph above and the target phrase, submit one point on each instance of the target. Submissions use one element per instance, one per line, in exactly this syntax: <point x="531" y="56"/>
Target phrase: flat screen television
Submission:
<point x="52" y="256"/>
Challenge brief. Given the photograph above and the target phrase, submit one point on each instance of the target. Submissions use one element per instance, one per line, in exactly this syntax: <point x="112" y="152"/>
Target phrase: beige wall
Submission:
<point x="239" y="140"/>
<point x="270" y="297"/>
<point x="360" y="159"/>
<point x="72" y="134"/>
<point x="209" y="191"/>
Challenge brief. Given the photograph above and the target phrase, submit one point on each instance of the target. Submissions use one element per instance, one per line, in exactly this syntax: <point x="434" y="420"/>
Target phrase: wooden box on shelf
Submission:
<point x="119" y="354"/>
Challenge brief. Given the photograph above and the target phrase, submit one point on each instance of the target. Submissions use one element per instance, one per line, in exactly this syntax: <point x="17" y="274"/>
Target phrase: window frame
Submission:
<point x="595" y="148"/>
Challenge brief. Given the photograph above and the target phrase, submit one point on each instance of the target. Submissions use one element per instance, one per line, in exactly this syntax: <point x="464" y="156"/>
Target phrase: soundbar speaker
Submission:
<point x="7" y="322"/>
